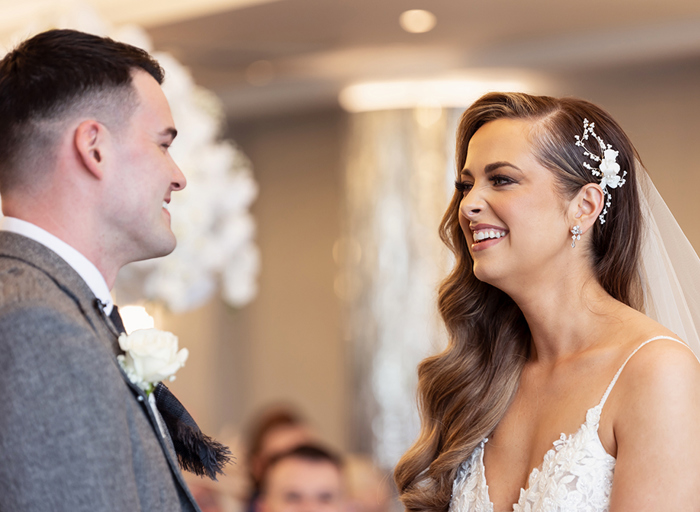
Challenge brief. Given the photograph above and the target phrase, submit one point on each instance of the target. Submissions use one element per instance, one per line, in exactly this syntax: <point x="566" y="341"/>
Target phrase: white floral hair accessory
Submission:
<point x="151" y="356"/>
<point x="608" y="169"/>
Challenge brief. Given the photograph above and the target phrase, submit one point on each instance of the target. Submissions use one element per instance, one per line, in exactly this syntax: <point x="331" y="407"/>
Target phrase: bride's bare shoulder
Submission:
<point x="662" y="367"/>
<point x="655" y="414"/>
<point x="662" y="358"/>
<point x="660" y="354"/>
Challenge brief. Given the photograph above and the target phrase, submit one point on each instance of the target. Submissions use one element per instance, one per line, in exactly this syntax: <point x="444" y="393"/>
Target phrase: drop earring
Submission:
<point x="575" y="235"/>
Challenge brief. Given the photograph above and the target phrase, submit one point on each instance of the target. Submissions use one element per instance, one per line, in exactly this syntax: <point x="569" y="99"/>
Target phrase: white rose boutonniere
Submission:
<point x="150" y="356"/>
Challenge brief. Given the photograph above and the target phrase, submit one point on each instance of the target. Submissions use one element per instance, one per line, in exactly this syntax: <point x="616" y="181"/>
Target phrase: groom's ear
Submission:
<point x="90" y="140"/>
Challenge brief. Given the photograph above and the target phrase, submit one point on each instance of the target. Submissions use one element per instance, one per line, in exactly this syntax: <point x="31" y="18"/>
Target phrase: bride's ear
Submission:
<point x="587" y="206"/>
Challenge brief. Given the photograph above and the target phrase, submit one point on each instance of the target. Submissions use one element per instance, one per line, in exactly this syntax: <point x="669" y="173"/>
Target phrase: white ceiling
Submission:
<point x="17" y="15"/>
<point x="316" y="47"/>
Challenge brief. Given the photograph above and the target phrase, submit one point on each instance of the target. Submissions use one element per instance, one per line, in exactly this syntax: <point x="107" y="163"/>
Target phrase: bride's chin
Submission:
<point x="481" y="274"/>
<point x="488" y="276"/>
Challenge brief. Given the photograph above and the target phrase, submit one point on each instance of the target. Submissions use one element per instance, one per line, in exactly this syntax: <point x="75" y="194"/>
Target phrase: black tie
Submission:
<point x="196" y="452"/>
<point x="116" y="319"/>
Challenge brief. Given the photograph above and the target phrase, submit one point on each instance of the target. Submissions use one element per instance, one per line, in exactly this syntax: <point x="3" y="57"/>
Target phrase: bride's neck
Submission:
<point x="569" y="317"/>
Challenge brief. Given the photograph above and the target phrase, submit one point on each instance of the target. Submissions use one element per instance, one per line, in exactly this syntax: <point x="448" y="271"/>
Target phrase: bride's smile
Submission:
<point x="486" y="235"/>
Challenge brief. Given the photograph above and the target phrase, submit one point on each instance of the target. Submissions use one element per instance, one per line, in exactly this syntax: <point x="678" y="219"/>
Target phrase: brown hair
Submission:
<point x="53" y="76"/>
<point x="465" y="390"/>
<point x="306" y="452"/>
<point x="270" y="419"/>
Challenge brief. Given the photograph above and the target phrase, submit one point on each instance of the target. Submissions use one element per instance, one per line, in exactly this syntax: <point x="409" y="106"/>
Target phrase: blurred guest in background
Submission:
<point x="307" y="478"/>
<point x="276" y="430"/>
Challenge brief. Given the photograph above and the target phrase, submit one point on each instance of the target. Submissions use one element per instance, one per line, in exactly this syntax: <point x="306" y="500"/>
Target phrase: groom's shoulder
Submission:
<point x="31" y="299"/>
<point x="23" y="282"/>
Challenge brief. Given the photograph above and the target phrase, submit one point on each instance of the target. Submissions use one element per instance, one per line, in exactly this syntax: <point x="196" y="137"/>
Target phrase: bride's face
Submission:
<point x="512" y="215"/>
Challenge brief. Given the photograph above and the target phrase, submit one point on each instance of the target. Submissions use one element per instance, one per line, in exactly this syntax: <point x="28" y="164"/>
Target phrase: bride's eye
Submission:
<point x="463" y="186"/>
<point x="500" y="180"/>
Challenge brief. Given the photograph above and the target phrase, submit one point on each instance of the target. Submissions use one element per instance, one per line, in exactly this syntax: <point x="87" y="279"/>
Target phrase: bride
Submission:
<point x="556" y="392"/>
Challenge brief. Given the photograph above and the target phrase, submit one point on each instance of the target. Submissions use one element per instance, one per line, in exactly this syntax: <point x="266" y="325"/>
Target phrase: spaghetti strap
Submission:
<point x="612" y="384"/>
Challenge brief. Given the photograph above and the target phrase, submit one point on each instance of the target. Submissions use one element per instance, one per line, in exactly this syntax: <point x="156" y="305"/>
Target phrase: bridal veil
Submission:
<point x="670" y="268"/>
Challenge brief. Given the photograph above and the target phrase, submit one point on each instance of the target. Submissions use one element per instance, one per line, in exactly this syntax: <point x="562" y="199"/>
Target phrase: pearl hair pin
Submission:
<point x="607" y="170"/>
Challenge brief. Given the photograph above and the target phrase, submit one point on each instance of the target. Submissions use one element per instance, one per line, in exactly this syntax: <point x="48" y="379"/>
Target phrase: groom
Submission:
<point x="85" y="179"/>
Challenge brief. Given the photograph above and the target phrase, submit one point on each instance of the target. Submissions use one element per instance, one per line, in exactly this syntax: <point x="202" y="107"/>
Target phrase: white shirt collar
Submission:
<point x="84" y="267"/>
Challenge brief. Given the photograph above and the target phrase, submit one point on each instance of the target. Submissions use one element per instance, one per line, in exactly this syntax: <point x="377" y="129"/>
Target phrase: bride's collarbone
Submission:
<point x="540" y="413"/>
<point x="555" y="400"/>
<point x="550" y="403"/>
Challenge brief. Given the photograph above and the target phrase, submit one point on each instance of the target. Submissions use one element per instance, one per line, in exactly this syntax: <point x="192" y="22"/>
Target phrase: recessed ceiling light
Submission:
<point x="417" y="21"/>
<point x="445" y="93"/>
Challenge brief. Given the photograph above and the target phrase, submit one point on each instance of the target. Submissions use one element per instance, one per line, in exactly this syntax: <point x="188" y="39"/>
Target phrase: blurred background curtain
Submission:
<point x="399" y="176"/>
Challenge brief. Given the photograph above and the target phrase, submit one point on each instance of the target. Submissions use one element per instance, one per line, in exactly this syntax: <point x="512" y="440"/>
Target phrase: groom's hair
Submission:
<point x="54" y="78"/>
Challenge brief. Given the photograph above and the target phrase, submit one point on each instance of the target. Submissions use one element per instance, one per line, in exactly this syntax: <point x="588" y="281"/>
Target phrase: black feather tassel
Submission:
<point x="196" y="452"/>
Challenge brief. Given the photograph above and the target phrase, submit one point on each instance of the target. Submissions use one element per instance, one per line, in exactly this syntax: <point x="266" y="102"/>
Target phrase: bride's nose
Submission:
<point x="471" y="205"/>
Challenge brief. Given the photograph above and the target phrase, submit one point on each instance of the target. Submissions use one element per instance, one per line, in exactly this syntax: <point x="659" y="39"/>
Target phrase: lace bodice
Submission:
<point x="576" y="473"/>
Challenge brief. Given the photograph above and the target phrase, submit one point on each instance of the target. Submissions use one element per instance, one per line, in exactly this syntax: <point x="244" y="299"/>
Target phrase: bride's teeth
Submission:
<point x="483" y="235"/>
<point x="165" y="205"/>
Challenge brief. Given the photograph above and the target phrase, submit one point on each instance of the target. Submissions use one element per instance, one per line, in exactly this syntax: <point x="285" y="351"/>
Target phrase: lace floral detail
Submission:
<point x="469" y="490"/>
<point x="575" y="476"/>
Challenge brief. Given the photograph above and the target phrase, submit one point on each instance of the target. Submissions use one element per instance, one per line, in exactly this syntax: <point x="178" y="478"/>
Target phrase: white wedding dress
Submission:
<point x="575" y="476"/>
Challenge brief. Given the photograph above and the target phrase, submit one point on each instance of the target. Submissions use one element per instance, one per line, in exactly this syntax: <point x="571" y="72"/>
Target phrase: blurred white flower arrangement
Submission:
<point x="210" y="218"/>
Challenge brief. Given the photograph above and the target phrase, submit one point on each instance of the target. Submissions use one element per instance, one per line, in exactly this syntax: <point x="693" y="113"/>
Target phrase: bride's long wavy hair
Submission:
<point x="465" y="390"/>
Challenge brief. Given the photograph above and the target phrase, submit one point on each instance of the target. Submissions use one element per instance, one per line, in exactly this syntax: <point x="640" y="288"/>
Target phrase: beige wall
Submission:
<point x="286" y="345"/>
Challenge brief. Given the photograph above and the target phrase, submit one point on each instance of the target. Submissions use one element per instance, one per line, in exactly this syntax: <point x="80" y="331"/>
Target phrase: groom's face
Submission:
<point x="145" y="174"/>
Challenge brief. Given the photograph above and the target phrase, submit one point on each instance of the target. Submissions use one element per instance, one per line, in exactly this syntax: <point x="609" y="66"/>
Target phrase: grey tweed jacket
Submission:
<point x="73" y="435"/>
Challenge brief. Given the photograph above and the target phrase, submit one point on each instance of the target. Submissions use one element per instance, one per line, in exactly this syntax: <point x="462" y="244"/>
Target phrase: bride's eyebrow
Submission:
<point x="490" y="168"/>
